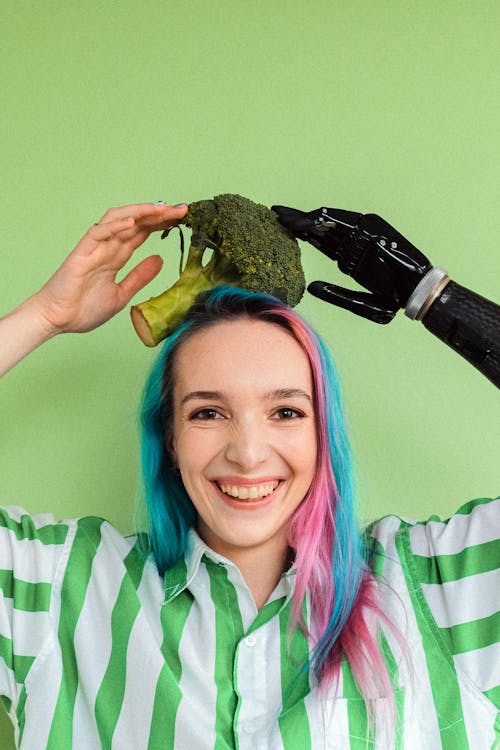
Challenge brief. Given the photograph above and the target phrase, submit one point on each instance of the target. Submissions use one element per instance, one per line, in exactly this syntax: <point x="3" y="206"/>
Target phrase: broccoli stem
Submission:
<point x="154" y="318"/>
<point x="159" y="316"/>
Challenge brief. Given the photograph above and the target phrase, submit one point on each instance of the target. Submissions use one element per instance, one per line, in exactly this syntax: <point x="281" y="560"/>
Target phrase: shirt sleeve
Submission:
<point x="30" y="552"/>
<point x="456" y="564"/>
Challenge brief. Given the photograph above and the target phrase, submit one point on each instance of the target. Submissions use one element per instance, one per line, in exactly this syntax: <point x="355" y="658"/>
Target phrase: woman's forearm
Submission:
<point x="21" y="331"/>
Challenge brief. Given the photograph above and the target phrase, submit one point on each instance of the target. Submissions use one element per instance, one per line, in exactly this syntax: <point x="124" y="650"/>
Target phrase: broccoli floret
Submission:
<point x="245" y="245"/>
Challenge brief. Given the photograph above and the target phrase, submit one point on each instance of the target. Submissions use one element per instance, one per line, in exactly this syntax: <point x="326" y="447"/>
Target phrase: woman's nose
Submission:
<point x="247" y="447"/>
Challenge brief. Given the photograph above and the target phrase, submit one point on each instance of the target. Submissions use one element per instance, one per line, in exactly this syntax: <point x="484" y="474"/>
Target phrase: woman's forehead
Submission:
<point x="244" y="351"/>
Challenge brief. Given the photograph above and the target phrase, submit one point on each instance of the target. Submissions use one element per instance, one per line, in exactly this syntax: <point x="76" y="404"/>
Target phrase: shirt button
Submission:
<point x="250" y="640"/>
<point x="248" y="728"/>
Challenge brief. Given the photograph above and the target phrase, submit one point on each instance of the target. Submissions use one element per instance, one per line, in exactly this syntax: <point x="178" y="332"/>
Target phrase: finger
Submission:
<point x="138" y="277"/>
<point x="132" y="237"/>
<point x="103" y="233"/>
<point x="380" y="308"/>
<point x="119" y="212"/>
<point x="142" y="212"/>
<point x="167" y="216"/>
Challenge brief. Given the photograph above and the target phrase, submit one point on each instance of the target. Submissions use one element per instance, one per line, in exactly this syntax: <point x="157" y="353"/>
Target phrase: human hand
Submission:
<point x="83" y="293"/>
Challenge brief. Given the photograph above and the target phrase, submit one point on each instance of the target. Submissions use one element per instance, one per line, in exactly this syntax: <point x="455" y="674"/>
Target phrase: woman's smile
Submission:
<point x="248" y="497"/>
<point x="254" y="491"/>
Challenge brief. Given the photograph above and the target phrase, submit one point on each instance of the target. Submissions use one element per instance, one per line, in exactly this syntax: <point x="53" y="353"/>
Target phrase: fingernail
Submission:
<point x="180" y="205"/>
<point x="158" y="203"/>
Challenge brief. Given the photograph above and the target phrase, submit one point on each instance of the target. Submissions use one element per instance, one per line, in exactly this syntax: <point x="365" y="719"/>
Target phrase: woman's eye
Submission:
<point x="205" y="414"/>
<point x="288" y="413"/>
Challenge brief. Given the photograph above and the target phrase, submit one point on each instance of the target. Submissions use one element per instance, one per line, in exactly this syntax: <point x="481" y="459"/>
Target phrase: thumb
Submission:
<point x="139" y="277"/>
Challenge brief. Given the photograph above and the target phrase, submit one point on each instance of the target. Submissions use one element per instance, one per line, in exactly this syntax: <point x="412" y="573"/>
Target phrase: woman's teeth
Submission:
<point x="254" y="492"/>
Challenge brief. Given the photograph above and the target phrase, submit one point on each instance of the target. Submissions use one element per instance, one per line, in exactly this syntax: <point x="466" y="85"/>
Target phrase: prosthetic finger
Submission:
<point x="375" y="307"/>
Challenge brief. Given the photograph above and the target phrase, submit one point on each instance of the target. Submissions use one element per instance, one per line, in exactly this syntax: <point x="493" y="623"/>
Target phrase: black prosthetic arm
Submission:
<point x="397" y="275"/>
<point x="470" y="324"/>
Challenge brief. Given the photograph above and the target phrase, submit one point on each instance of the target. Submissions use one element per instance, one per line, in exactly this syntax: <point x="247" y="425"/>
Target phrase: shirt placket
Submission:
<point x="257" y="681"/>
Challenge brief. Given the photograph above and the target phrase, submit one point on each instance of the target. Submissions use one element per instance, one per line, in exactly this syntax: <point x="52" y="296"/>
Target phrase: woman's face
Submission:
<point x="244" y="434"/>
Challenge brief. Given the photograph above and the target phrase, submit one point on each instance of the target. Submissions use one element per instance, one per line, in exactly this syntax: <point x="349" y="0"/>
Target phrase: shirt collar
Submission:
<point x="185" y="570"/>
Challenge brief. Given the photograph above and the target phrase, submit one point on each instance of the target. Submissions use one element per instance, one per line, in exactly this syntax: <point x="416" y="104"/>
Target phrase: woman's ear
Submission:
<point x="169" y="447"/>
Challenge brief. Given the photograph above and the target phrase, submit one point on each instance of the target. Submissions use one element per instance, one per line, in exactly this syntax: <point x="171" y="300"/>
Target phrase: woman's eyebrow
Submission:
<point x="276" y="395"/>
<point x="284" y="393"/>
<point x="205" y="395"/>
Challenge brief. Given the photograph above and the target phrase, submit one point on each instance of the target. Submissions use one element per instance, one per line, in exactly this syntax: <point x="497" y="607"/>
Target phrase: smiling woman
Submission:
<point x="243" y="396"/>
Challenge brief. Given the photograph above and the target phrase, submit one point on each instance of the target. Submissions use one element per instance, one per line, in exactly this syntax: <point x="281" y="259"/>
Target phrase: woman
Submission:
<point x="246" y="616"/>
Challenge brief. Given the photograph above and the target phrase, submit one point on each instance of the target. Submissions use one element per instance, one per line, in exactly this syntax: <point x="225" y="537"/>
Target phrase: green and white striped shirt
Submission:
<point x="97" y="651"/>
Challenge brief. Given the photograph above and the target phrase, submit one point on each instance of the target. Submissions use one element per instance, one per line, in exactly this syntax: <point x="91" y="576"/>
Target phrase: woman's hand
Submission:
<point x="84" y="293"/>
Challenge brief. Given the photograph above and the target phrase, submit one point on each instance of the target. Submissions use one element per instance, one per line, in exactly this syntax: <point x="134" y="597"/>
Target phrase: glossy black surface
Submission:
<point x="379" y="258"/>
<point x="365" y="247"/>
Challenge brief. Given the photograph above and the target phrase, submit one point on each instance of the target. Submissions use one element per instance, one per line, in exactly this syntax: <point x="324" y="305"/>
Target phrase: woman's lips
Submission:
<point x="248" y="492"/>
<point x="253" y="495"/>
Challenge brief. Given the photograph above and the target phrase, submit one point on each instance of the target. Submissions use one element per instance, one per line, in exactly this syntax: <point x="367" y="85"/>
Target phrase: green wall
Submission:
<point x="378" y="106"/>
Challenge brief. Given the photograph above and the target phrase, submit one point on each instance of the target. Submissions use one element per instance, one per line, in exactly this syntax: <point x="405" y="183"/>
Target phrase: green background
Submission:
<point x="378" y="106"/>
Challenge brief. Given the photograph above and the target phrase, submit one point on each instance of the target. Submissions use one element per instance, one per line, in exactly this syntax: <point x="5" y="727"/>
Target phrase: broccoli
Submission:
<point x="250" y="249"/>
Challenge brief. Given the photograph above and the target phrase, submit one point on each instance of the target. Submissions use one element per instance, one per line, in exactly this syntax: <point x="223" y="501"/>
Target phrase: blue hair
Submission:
<point x="170" y="510"/>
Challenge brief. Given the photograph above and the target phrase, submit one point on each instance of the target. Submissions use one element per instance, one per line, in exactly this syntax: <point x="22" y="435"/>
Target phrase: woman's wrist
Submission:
<point x="33" y="310"/>
<point x="21" y="331"/>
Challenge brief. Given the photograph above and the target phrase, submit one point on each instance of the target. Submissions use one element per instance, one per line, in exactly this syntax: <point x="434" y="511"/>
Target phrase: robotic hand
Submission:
<point x="398" y="275"/>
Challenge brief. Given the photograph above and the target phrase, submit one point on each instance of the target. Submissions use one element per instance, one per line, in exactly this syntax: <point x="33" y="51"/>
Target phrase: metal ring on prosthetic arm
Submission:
<point x="397" y="276"/>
